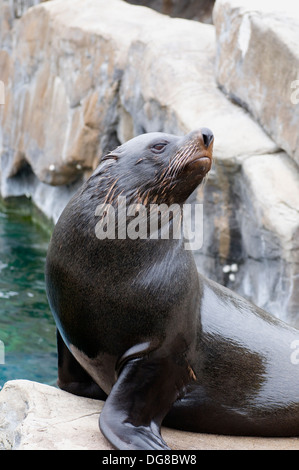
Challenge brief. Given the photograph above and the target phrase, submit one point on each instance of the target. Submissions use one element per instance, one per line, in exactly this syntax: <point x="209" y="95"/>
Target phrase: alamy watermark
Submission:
<point x="156" y="221"/>
<point x="295" y="354"/>
<point x="2" y="93"/>
<point x="295" y="93"/>
<point x="2" y="353"/>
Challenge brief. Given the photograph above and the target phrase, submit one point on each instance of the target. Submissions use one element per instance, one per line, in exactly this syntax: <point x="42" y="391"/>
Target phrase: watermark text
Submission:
<point x="2" y="93"/>
<point x="2" y="353"/>
<point x="295" y="93"/>
<point x="154" y="222"/>
<point x="295" y="353"/>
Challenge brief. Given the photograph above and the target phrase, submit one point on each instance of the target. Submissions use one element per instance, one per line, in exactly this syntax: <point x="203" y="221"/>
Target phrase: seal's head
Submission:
<point x="157" y="167"/>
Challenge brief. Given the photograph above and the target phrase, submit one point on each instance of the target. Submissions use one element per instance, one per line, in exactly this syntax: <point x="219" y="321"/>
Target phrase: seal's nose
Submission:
<point x="207" y="136"/>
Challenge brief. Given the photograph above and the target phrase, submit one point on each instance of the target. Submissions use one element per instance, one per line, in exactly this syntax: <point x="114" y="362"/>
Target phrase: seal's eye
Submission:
<point x="109" y="156"/>
<point x="159" y="147"/>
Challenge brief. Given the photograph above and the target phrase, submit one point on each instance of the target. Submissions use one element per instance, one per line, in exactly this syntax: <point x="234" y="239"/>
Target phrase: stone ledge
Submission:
<point x="35" y="416"/>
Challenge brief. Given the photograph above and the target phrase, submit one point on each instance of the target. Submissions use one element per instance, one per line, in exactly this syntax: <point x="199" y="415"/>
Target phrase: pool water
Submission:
<point x="27" y="329"/>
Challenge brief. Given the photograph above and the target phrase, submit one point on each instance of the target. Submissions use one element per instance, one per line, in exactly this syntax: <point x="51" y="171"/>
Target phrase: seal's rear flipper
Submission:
<point x="72" y="377"/>
<point x="143" y="394"/>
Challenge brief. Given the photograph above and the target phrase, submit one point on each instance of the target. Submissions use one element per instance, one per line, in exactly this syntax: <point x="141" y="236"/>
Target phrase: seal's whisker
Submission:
<point x="181" y="158"/>
<point x="110" y="190"/>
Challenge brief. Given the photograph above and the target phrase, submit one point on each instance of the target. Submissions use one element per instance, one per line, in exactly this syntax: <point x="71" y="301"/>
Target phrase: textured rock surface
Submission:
<point x="68" y="74"/>
<point x="197" y="10"/>
<point x="268" y="221"/>
<point x="255" y="230"/>
<point x="19" y="7"/>
<point x="39" y="417"/>
<point x="83" y="76"/>
<point x="258" y="63"/>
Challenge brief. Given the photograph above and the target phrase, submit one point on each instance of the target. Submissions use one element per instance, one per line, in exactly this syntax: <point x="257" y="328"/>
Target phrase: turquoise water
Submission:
<point x="27" y="329"/>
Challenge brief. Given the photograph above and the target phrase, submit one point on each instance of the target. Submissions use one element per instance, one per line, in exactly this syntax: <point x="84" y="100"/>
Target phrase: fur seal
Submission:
<point x="139" y="327"/>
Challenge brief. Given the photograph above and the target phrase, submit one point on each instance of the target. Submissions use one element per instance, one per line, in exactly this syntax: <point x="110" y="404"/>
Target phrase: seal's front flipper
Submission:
<point x="72" y="377"/>
<point x="143" y="394"/>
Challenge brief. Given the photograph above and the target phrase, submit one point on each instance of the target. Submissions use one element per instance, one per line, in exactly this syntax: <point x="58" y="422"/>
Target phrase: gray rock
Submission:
<point x="258" y="63"/>
<point x="34" y="416"/>
<point x="251" y="220"/>
<point x="197" y="10"/>
<point x="268" y="223"/>
<point x="71" y="73"/>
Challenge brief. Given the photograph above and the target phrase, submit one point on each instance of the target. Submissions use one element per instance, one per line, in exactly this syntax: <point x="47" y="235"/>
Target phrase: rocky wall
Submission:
<point x="258" y="63"/>
<point x="83" y="76"/>
<point x="196" y="10"/>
